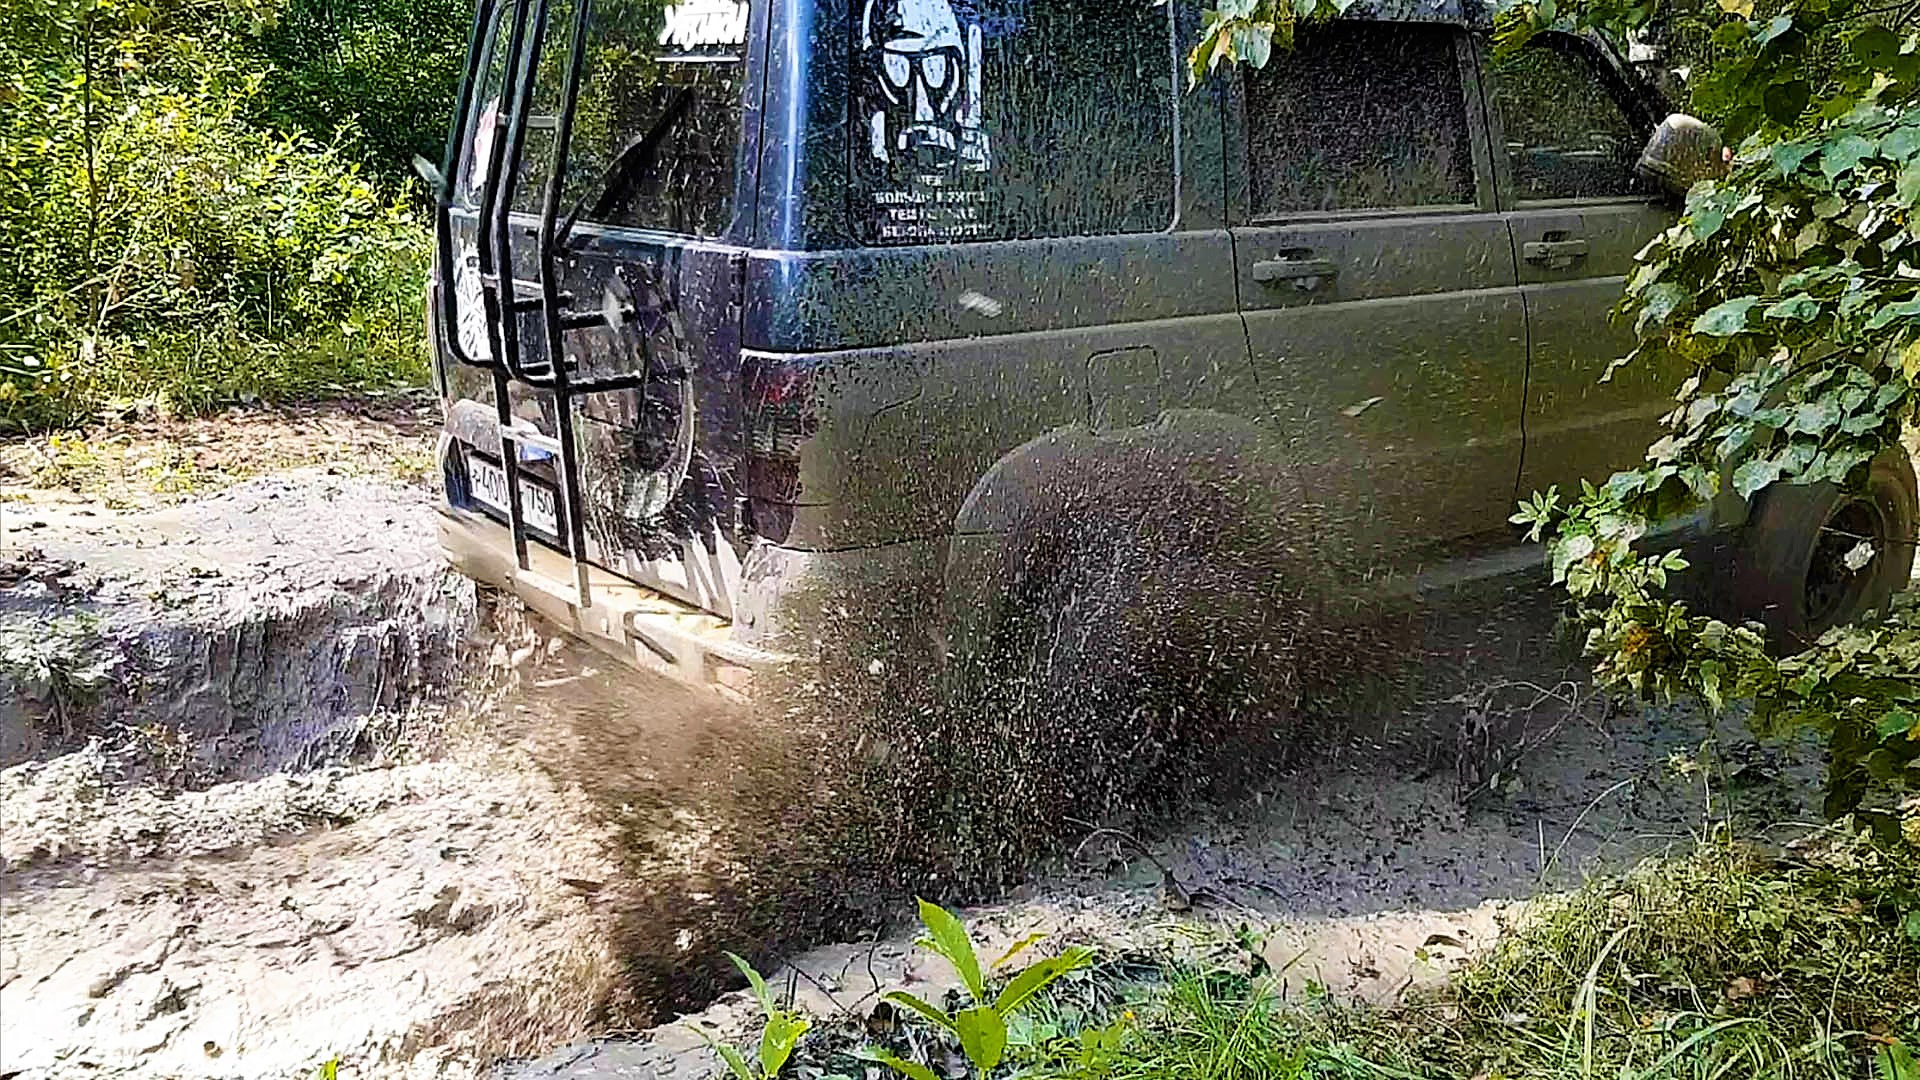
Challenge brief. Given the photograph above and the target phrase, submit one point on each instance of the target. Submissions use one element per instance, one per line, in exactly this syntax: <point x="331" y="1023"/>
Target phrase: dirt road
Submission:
<point x="421" y="891"/>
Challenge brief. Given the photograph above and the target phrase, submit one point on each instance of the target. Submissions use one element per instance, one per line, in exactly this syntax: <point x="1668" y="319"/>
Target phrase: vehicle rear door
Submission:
<point x="1569" y="128"/>
<point x="600" y="160"/>
<point x="1378" y="285"/>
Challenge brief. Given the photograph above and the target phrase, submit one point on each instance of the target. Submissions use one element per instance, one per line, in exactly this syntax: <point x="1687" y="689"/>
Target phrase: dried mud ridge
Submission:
<point x="336" y="865"/>
<point x="248" y="632"/>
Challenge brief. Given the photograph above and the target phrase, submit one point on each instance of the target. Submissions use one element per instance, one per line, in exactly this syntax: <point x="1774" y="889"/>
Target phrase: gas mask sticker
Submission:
<point x="919" y="93"/>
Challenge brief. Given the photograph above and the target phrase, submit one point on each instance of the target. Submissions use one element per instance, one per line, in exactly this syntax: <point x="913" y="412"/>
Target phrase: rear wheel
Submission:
<point x="1802" y="568"/>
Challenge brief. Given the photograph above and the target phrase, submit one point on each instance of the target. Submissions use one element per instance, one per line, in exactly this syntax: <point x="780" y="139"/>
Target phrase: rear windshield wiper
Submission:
<point x="627" y="166"/>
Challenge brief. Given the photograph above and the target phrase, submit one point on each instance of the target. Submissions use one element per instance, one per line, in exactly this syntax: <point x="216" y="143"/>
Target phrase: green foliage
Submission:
<point x="162" y="249"/>
<point x="1792" y="291"/>
<point x="1789" y="289"/>
<point x="1248" y="31"/>
<point x="982" y="1028"/>
<point x="778" y="1036"/>
<point x="1721" y="962"/>
<point x="377" y="76"/>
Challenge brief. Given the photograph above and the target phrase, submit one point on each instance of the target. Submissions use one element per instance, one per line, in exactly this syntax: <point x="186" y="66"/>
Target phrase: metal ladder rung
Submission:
<point x="530" y="437"/>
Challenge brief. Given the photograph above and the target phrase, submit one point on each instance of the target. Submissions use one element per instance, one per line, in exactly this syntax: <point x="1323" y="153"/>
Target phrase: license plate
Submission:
<point x="489" y="485"/>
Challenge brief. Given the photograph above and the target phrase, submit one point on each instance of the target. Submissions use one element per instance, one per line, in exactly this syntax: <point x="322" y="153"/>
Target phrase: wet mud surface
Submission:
<point x="562" y="854"/>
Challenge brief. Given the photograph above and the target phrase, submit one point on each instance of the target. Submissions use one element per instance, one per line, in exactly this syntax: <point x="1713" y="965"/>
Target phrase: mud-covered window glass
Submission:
<point x="1566" y="135"/>
<point x="1359" y="116"/>
<point x="656" y="128"/>
<point x="997" y="119"/>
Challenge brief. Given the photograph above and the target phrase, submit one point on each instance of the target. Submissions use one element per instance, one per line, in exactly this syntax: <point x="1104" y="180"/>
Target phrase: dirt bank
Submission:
<point x="252" y="624"/>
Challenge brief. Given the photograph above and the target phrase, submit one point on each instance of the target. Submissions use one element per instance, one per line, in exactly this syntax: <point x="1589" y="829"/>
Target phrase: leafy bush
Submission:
<point x="1791" y="289"/>
<point x="376" y="75"/>
<point x="160" y="249"/>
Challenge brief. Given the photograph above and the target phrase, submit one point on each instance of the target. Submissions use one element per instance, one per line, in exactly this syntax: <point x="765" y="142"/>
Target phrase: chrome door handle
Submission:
<point x="1554" y="252"/>
<point x="1306" y="273"/>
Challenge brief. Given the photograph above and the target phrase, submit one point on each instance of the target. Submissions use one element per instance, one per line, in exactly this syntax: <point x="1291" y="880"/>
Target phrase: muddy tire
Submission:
<point x="1130" y="632"/>
<point x="1790" y="571"/>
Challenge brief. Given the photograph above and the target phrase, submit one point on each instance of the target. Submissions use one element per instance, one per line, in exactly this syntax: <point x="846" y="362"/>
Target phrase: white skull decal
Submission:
<point x="926" y="77"/>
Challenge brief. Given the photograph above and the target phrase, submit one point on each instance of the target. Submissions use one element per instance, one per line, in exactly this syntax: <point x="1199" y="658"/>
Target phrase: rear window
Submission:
<point x="1359" y="116"/>
<point x="1002" y="119"/>
<point x="656" y="131"/>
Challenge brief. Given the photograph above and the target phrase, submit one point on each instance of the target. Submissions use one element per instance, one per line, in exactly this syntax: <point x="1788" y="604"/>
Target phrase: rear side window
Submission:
<point x="656" y="130"/>
<point x="664" y="86"/>
<point x="1567" y="136"/>
<point x="1001" y="119"/>
<point x="1359" y="116"/>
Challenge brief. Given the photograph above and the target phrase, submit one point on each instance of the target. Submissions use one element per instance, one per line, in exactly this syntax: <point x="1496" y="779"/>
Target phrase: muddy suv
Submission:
<point x="747" y="311"/>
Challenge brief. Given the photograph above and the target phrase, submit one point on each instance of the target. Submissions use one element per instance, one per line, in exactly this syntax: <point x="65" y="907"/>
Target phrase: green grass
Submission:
<point x="1722" y="964"/>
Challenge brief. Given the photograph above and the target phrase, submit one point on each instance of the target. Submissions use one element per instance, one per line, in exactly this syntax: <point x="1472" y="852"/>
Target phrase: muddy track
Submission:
<point x="270" y="839"/>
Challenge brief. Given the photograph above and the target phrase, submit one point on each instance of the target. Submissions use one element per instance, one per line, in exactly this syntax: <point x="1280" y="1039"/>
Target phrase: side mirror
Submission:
<point x="1682" y="152"/>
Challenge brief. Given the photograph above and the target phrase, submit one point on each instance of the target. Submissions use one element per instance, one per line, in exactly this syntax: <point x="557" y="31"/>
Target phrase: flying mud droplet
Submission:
<point x="981" y="304"/>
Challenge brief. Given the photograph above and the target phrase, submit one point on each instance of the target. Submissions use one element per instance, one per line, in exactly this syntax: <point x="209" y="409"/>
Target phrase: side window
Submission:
<point x="1567" y="136"/>
<point x="1002" y="119"/>
<point x="1359" y="116"/>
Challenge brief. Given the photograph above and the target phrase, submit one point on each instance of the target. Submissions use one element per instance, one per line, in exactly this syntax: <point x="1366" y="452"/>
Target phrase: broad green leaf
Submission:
<point x="1784" y="101"/>
<point x="1253" y="43"/>
<point x="1787" y="156"/>
<point x="1875" y="46"/>
<point x="1906" y="187"/>
<point x="1726" y="319"/>
<point x="1040" y="976"/>
<point x="1754" y="475"/>
<point x="1904" y="311"/>
<point x="1799" y="307"/>
<point x="759" y="985"/>
<point x="907" y="1001"/>
<point x="948" y="936"/>
<point x="983" y="1036"/>
<point x="1899" y="722"/>
<point x="913" y="1070"/>
<point x="777" y="1041"/>
<point x="1843" y="154"/>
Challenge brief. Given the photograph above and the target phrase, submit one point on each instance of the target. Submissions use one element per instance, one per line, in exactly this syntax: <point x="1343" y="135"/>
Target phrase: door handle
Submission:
<point x="1304" y="273"/>
<point x="1556" y="253"/>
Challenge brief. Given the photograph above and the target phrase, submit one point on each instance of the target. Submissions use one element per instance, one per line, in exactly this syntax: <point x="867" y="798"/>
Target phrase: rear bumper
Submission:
<point x="640" y="626"/>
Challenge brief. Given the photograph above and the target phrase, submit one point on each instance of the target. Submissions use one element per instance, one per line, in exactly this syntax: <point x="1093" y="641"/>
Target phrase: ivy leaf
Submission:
<point x="1725" y="319"/>
<point x="1754" y="475"/>
<point x="1875" y="47"/>
<point x="1775" y="26"/>
<point x="1815" y="417"/>
<point x="1844" y="154"/>
<point x="1784" y="101"/>
<point x="1901" y="143"/>
<point x="1658" y="302"/>
<point x="1800" y="308"/>
<point x="1787" y="156"/>
<point x="1906" y="310"/>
